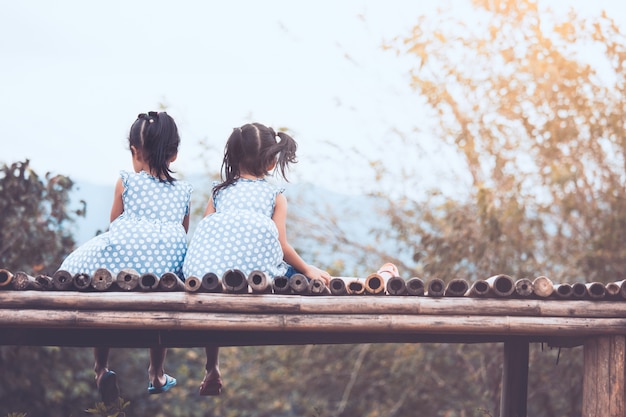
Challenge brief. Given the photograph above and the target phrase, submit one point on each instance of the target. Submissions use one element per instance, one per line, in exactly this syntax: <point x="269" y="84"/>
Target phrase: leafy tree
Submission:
<point x="33" y="219"/>
<point x="538" y="127"/>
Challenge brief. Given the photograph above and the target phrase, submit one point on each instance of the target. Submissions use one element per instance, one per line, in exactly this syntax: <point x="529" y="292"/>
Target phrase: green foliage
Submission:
<point x="33" y="219"/>
<point x="115" y="409"/>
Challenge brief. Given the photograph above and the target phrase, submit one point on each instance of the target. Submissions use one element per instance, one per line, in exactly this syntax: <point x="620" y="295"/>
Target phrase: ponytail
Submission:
<point x="156" y="136"/>
<point x="287" y="148"/>
<point x="252" y="148"/>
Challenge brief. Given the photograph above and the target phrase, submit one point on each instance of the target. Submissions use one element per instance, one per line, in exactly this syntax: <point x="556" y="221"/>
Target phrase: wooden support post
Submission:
<point x="604" y="377"/>
<point x="514" y="378"/>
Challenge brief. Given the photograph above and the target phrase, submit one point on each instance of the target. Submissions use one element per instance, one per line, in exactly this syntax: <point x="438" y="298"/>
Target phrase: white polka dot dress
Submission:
<point x="240" y="234"/>
<point x="148" y="236"/>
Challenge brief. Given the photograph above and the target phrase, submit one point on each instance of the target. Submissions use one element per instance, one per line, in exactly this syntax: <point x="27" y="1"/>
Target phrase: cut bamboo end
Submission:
<point x="235" y="281"/>
<point x="193" y="284"/>
<point x="22" y="281"/>
<point x="435" y="288"/>
<point x="102" y="279"/>
<point x="62" y="280"/>
<point x="212" y="283"/>
<point x="169" y="281"/>
<point x="579" y="290"/>
<point x="318" y="287"/>
<point x="5" y="278"/>
<point x="299" y="284"/>
<point x="280" y="285"/>
<point x="396" y="286"/>
<point x="259" y="282"/>
<point x="355" y="287"/>
<point x="524" y="287"/>
<point x="596" y="290"/>
<point x="415" y="286"/>
<point x="563" y="291"/>
<point x="148" y="282"/>
<point x="501" y="285"/>
<point x="456" y="288"/>
<point x="337" y="286"/>
<point x="543" y="286"/>
<point x="44" y="282"/>
<point x="375" y="284"/>
<point x="127" y="279"/>
<point x="82" y="281"/>
<point x="479" y="288"/>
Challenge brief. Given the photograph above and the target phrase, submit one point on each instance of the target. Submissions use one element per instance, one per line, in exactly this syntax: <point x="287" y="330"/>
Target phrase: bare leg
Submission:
<point x="106" y="380"/>
<point x="156" y="373"/>
<point x="212" y="382"/>
<point x="101" y="357"/>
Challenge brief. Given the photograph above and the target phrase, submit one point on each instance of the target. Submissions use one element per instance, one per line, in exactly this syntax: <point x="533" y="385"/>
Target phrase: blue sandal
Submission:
<point x="169" y="383"/>
<point x="108" y="388"/>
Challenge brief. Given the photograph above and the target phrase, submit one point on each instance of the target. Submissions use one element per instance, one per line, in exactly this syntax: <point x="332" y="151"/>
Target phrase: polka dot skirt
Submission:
<point x="148" y="236"/>
<point x="240" y="234"/>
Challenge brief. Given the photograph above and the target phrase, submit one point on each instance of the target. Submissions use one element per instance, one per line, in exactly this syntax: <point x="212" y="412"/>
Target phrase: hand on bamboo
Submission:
<point x="313" y="272"/>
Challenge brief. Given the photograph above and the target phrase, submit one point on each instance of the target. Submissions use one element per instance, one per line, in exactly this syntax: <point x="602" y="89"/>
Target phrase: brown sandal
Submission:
<point x="211" y="386"/>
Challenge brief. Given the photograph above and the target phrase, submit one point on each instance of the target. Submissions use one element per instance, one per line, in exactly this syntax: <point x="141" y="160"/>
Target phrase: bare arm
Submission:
<point x="186" y="220"/>
<point x="210" y="208"/>
<point x="289" y="253"/>
<point x="118" y="204"/>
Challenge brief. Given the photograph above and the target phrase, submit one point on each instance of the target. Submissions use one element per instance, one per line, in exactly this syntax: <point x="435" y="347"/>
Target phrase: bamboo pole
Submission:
<point x="280" y="285"/>
<point x="375" y="284"/>
<point x="299" y="284"/>
<point x="318" y="287"/>
<point x="22" y="281"/>
<point x="579" y="290"/>
<point x="193" y="284"/>
<point x="148" y="281"/>
<point x="456" y="288"/>
<point x="82" y="281"/>
<point x="524" y="287"/>
<point x="355" y="287"/>
<point x="44" y="282"/>
<point x="501" y="285"/>
<point x="435" y="287"/>
<point x="622" y="288"/>
<point x="396" y="286"/>
<point x="337" y="286"/>
<point x="317" y="323"/>
<point x="612" y="290"/>
<point x="127" y="279"/>
<point x="229" y="303"/>
<point x="62" y="280"/>
<point x="235" y="281"/>
<point x="169" y="281"/>
<point x="479" y="288"/>
<point x="563" y="291"/>
<point x="543" y="286"/>
<point x="212" y="283"/>
<point x="102" y="279"/>
<point x="596" y="290"/>
<point x="5" y="279"/>
<point x="259" y="282"/>
<point x="415" y="286"/>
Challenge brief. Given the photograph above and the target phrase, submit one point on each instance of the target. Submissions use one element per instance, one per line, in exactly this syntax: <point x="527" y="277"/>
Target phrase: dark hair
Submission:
<point x="253" y="148"/>
<point x="155" y="135"/>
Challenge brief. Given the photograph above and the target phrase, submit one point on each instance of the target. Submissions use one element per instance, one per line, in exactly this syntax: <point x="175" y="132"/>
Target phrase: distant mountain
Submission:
<point x="316" y="215"/>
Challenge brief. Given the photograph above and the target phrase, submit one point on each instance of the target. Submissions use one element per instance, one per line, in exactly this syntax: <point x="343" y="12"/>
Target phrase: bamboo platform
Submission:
<point x="142" y="311"/>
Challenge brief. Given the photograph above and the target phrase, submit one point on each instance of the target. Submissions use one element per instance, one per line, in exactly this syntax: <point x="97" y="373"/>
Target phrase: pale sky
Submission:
<point x="75" y="73"/>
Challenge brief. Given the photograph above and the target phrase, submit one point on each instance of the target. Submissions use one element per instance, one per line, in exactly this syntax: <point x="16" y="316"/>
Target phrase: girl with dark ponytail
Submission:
<point x="148" y="231"/>
<point x="244" y="224"/>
